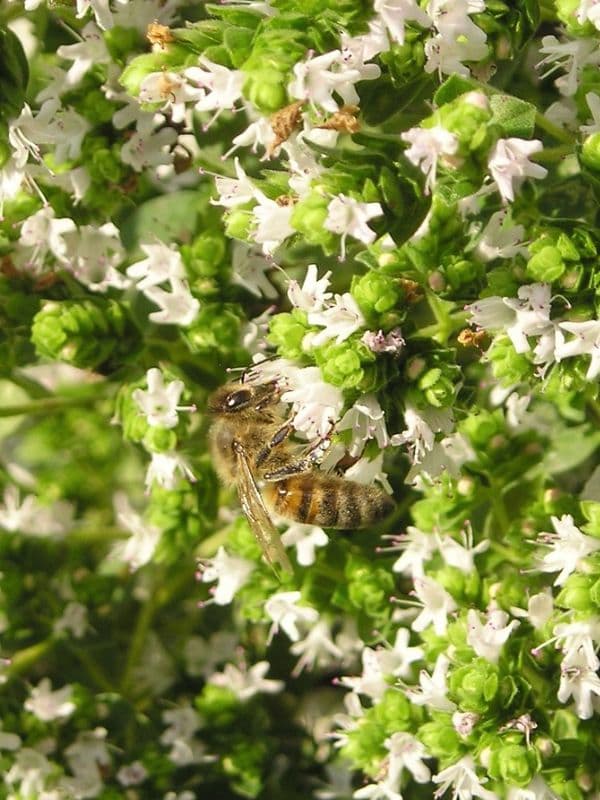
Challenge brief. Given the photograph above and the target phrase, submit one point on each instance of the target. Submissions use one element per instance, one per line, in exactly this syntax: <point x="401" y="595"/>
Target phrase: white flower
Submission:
<point x="149" y="148"/>
<point x="100" y="9"/>
<point x="177" y="307"/>
<point x="160" y="402"/>
<point x="593" y="101"/>
<point x="31" y="518"/>
<point x="73" y="620"/>
<point x="316" y="649"/>
<point x="9" y="741"/>
<point x="348" y="217"/>
<point x="29" y="769"/>
<point x="316" y="404"/>
<point x="463" y="780"/>
<point x="586" y="342"/>
<point x="339" y="321"/>
<point x="84" y="54"/>
<point x="315" y="80"/>
<point x="139" y="548"/>
<point x="463" y="723"/>
<point x="500" y="238"/>
<point x="282" y="608"/>
<point x="163" y="263"/>
<point x="462" y="555"/>
<point x="164" y="468"/>
<point x="588" y="10"/>
<point x="234" y="191"/>
<point x="313" y="294"/>
<point x="230" y="572"/>
<point x="247" y="683"/>
<point x="249" y="267"/>
<point x="396" y="660"/>
<point x="406" y="753"/>
<point x="366" y="420"/>
<point x="581" y="683"/>
<point x="369" y="471"/>
<point x="377" y="791"/>
<point x="538" y="789"/>
<point x="378" y="342"/>
<point x="257" y="134"/>
<point x="579" y="640"/>
<point x="132" y="774"/>
<point x="458" y="38"/>
<point x="85" y="756"/>
<point x="47" y="705"/>
<point x="93" y="255"/>
<point x="373" y="682"/>
<point x="170" y="89"/>
<point x="433" y="688"/>
<point x="183" y="723"/>
<point x="223" y="86"/>
<point x="273" y="222"/>
<point x="43" y="233"/>
<point x="427" y="145"/>
<point x="418" y="548"/>
<point x="572" y="56"/>
<point x="305" y="538"/>
<point x="489" y="639"/>
<point x="566" y="548"/>
<point x="509" y="164"/>
<point x="437" y="604"/>
<point x="395" y="13"/>
<point x="421" y="427"/>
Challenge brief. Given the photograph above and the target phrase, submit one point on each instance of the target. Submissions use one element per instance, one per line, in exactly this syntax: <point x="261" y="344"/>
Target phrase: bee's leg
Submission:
<point x="278" y="437"/>
<point x="313" y="456"/>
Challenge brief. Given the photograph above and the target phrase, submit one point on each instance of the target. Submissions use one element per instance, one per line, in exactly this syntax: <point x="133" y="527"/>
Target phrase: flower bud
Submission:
<point x="475" y="686"/>
<point x="514" y="764"/>
<point x="590" y="152"/>
<point x="546" y="265"/>
<point x="286" y="332"/>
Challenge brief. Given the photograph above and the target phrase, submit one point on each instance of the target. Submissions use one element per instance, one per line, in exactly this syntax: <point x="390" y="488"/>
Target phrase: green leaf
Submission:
<point x="169" y="218"/>
<point x="453" y="88"/>
<point x="14" y="74"/>
<point x="570" y="447"/>
<point x="514" y="116"/>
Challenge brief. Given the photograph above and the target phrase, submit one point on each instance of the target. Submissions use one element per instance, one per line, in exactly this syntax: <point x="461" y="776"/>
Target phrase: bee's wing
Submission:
<point x="257" y="514"/>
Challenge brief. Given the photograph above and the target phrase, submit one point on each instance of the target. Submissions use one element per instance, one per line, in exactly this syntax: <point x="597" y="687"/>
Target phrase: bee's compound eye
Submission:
<point x="238" y="399"/>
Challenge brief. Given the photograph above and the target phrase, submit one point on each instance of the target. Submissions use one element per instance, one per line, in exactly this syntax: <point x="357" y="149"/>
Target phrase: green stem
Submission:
<point x="553" y="130"/>
<point x="92" y="669"/>
<point x="209" y="546"/>
<point x="22" y="660"/>
<point x="499" y="509"/>
<point x="46" y="405"/>
<point x="551" y="155"/>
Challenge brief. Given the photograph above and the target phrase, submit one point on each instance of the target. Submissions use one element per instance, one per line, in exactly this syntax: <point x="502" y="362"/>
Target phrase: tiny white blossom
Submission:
<point x="406" y="753"/>
<point x="316" y="404"/>
<point x="30" y="770"/>
<point x="177" y="306"/>
<point x="305" y="538"/>
<point x="538" y="789"/>
<point x="149" y="148"/>
<point x="582" y="684"/>
<point x="509" y="164"/>
<point x="234" y="191"/>
<point x="461" y="556"/>
<point x="317" y="79"/>
<point x="139" y="548"/>
<point x="273" y="222"/>
<point x="230" y="572"/>
<point x="500" y="238"/>
<point x="588" y="10"/>
<point x="368" y="471"/>
<point x="421" y="427"/>
<point x="257" y="134"/>
<point x="579" y="641"/>
<point x="313" y="294"/>
<point x="374" y="681"/>
<point x="378" y="342"/>
<point x="160" y="402"/>
<point x="382" y="790"/>
<point x="132" y="774"/>
<point x="164" y="469"/>
<point x="489" y="639"/>
<point x="418" y="547"/>
<point x="462" y="779"/>
<point x="566" y="548"/>
<point x="163" y="263"/>
<point x="396" y="660"/>
<point x="593" y="102"/>
<point x="317" y="648"/>
<point x="32" y="518"/>
<point x="170" y="89"/>
<point x="9" y="741"/>
<point x="283" y="609"/>
<point x="248" y="682"/>
<point x="348" y="217"/>
<point x="223" y="86"/>
<point x="100" y="9"/>
<point x="572" y="56"/>
<point x="85" y="54"/>
<point x="249" y="267"/>
<point x="366" y="420"/>
<point x="43" y="234"/>
<point x="433" y="689"/>
<point x="93" y="257"/>
<point x="427" y="146"/>
<point x="73" y="620"/>
<point x="48" y="705"/>
<point x="586" y="341"/>
<point x="395" y="13"/>
<point x="437" y="605"/>
<point x="183" y="722"/>
<point x="339" y="321"/>
<point x="202" y="656"/>
<point x="463" y="723"/>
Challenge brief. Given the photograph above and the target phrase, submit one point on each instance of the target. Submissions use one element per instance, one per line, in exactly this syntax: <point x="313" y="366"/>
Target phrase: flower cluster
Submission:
<point x="383" y="214"/>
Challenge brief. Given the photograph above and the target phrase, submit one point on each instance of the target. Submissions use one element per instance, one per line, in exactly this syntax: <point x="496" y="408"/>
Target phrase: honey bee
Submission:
<point x="250" y="444"/>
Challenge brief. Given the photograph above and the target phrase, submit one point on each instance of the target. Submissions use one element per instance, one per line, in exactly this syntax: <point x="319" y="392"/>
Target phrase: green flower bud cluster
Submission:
<point x="92" y="333"/>
<point x="405" y="61"/>
<point x="509" y="367"/>
<point x="308" y="218"/>
<point x="566" y="259"/>
<point x="351" y="365"/>
<point x="207" y="264"/>
<point x="433" y="376"/>
<point x="379" y="297"/>
<point x="367" y="590"/>
<point x="286" y="332"/>
<point x="216" y="331"/>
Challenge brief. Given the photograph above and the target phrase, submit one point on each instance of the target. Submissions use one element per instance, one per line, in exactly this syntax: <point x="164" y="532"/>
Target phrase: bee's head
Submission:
<point x="236" y="398"/>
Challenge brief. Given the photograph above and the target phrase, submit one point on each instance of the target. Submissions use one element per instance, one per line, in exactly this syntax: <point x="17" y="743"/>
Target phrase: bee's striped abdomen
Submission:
<point x="327" y="501"/>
